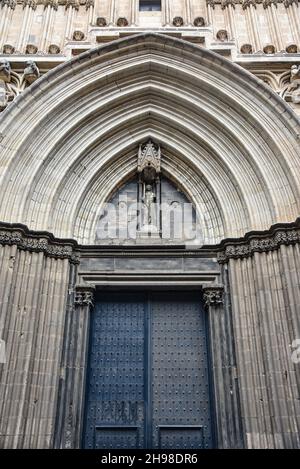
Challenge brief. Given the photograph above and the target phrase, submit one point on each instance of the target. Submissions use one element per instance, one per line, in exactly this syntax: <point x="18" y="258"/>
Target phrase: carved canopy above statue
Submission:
<point x="229" y="142"/>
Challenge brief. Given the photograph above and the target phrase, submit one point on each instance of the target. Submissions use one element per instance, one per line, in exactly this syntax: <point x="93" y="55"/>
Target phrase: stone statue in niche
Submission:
<point x="148" y="169"/>
<point x="149" y="212"/>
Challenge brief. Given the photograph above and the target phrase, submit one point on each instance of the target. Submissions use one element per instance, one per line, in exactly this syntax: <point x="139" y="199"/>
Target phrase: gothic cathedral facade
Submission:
<point x="149" y="224"/>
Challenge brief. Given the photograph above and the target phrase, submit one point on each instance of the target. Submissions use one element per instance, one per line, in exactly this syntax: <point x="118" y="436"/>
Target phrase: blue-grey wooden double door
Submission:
<point x="148" y="372"/>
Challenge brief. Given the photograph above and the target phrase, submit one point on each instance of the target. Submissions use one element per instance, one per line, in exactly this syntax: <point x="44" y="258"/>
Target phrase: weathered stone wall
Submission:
<point x="42" y="22"/>
<point x="263" y="277"/>
<point x="34" y="282"/>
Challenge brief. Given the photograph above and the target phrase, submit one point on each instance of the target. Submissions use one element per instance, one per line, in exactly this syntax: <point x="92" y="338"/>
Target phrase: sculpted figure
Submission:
<point x="149" y="206"/>
<point x="31" y="72"/>
<point x="293" y="90"/>
<point x="5" y="70"/>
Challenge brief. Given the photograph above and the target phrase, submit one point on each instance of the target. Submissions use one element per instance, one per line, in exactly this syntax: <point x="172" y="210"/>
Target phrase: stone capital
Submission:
<point x="84" y="295"/>
<point x="213" y="295"/>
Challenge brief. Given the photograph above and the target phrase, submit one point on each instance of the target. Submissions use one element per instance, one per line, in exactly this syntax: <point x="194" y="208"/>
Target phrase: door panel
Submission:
<point x="181" y="410"/>
<point x="148" y="382"/>
<point x="115" y="406"/>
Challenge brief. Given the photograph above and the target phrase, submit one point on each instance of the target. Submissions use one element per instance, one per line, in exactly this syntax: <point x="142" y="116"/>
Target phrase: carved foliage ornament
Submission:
<point x="213" y="295"/>
<point x="247" y="248"/>
<point x="84" y="295"/>
<point x="27" y="242"/>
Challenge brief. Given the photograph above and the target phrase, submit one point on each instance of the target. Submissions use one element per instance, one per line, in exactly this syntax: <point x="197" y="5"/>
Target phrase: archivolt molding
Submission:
<point x="65" y="142"/>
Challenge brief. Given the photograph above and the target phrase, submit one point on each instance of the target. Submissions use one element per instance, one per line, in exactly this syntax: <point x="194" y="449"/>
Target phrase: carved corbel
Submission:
<point x="213" y="296"/>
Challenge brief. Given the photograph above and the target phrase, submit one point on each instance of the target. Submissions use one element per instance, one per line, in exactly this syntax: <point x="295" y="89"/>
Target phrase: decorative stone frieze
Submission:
<point x="225" y="3"/>
<point x="213" y="295"/>
<point x="30" y="3"/>
<point x="72" y="4"/>
<point x="9" y="3"/>
<point x="27" y="240"/>
<point x="52" y="3"/>
<point x="288" y="234"/>
<point x="248" y="3"/>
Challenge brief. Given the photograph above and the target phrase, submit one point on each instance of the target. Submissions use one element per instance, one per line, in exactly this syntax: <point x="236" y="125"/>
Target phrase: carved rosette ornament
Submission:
<point x="225" y="3"/>
<point x="78" y="36"/>
<point x="101" y="22"/>
<point x="269" y="49"/>
<point x="246" y="49"/>
<point x="84" y="295"/>
<point x="291" y="48"/>
<point x="8" y="49"/>
<point x="178" y="21"/>
<point x="199" y="22"/>
<point x="259" y="242"/>
<point x="38" y="242"/>
<point x="122" y="22"/>
<point x="53" y="49"/>
<point x="213" y="295"/>
<point x="222" y="35"/>
<point x="31" y="49"/>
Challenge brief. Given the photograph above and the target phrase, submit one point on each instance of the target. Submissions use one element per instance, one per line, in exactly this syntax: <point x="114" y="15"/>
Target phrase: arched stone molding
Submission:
<point x="72" y="137"/>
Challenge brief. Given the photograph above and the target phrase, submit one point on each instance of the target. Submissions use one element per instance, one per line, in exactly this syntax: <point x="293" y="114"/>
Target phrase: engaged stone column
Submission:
<point x="223" y="366"/>
<point x="71" y="395"/>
